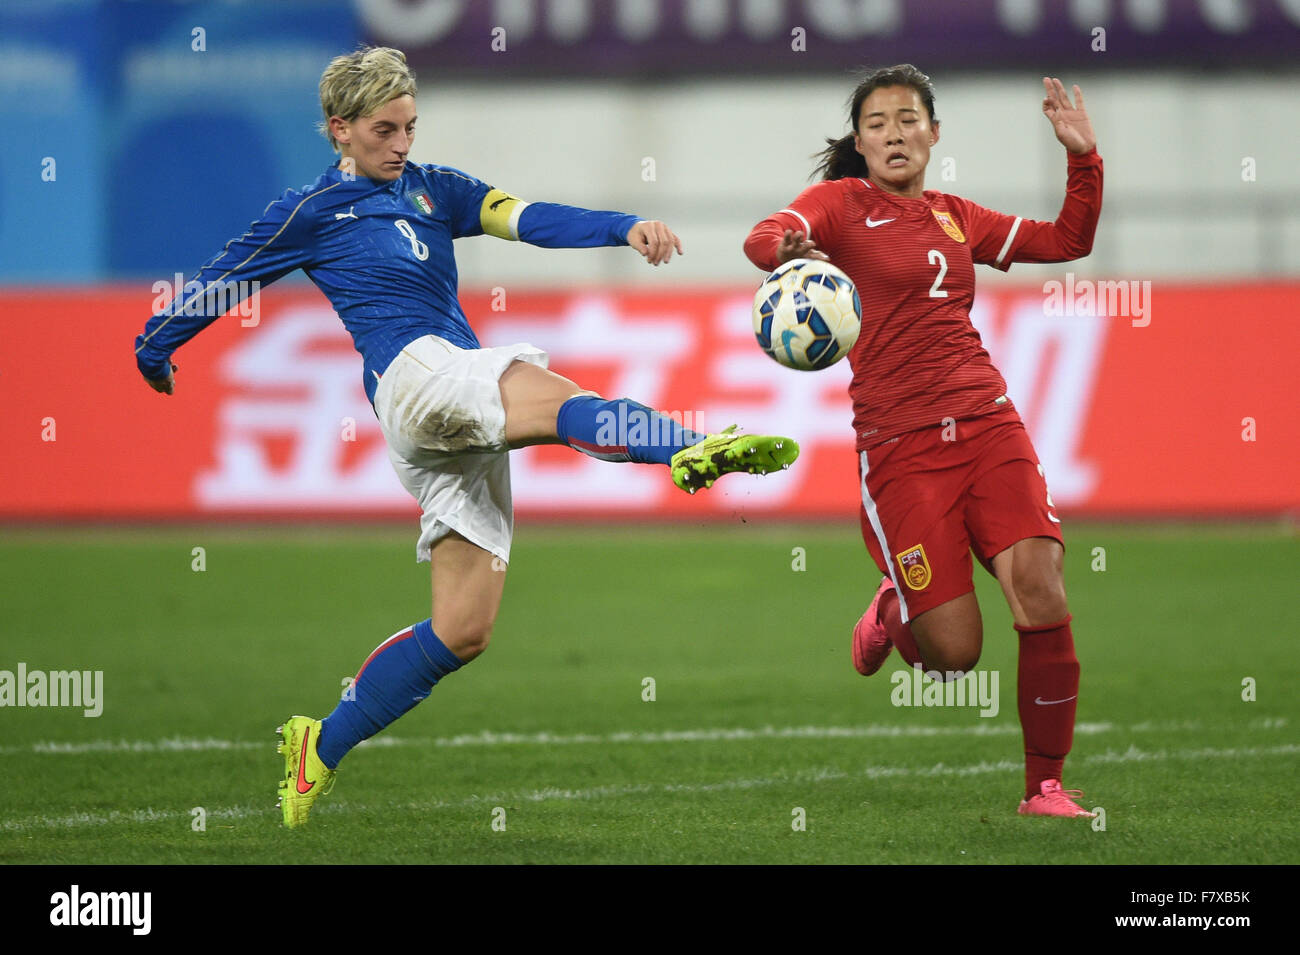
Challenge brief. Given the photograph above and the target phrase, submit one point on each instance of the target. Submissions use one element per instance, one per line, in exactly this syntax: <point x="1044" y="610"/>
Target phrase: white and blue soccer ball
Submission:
<point x="807" y="314"/>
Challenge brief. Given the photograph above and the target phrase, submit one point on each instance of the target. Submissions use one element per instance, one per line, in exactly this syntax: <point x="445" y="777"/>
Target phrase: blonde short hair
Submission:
<point x="359" y="84"/>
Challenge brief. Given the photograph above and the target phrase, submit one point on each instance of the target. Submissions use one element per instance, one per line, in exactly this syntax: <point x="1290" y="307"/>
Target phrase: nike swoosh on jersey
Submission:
<point x="302" y="765"/>
<point x="872" y="223"/>
<point x="1042" y="702"/>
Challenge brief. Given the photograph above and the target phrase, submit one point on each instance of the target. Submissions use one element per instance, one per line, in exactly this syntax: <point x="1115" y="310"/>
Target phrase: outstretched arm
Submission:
<point x="272" y="247"/>
<point x="999" y="240"/>
<point x="554" y="226"/>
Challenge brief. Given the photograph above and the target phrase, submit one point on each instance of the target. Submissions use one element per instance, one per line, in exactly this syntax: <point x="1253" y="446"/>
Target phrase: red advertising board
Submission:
<point x="1186" y="411"/>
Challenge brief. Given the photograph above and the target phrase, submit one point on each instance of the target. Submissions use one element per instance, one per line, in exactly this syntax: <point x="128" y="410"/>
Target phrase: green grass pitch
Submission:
<point x="758" y="720"/>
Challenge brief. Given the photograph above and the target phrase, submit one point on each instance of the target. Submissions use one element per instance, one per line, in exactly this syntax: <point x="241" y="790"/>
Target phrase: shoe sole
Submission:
<point x="859" y="663"/>
<point x="859" y="657"/>
<point x="285" y="787"/>
<point x="283" y="749"/>
<point x="1081" y="814"/>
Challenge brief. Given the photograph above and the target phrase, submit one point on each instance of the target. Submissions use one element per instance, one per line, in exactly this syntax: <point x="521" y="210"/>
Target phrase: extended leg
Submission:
<point x="1030" y="573"/>
<point x="468" y="583"/>
<point x="467" y="586"/>
<point x="545" y="408"/>
<point x="533" y="397"/>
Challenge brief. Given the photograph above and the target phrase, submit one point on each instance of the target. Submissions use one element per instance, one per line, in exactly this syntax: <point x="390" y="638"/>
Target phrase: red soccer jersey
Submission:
<point x="919" y="359"/>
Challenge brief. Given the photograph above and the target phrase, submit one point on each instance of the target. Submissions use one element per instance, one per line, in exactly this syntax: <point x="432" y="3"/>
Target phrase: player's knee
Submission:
<point x="1041" y="593"/>
<point x="950" y="638"/>
<point x="952" y="652"/>
<point x="468" y="640"/>
<point x="951" y="660"/>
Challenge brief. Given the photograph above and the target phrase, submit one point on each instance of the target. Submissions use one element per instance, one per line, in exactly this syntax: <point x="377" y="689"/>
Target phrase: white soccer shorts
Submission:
<point x="440" y="409"/>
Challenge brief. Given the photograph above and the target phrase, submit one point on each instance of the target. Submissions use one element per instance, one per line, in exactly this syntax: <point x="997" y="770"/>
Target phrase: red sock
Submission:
<point x="1047" y="694"/>
<point x="900" y="634"/>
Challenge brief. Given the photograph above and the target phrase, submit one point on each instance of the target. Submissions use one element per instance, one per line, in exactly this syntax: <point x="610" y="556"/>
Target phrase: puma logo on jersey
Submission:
<point x="872" y="223"/>
<point x="346" y="215"/>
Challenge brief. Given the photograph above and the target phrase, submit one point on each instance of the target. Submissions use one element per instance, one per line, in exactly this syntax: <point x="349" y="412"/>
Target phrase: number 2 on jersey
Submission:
<point x="935" y="257"/>
<point x="419" y="248"/>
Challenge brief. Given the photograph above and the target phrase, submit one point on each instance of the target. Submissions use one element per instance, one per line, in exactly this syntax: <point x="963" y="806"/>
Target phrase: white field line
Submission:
<point x="807" y="776"/>
<point x="737" y="734"/>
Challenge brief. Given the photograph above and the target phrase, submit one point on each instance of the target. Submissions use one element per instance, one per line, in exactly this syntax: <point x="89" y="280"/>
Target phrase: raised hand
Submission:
<point x="1069" y="120"/>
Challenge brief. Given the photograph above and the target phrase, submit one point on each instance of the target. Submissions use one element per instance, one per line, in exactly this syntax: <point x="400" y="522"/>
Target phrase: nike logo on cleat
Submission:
<point x="302" y="766"/>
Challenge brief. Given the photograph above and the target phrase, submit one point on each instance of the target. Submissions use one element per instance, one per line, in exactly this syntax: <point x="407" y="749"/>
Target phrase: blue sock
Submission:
<point x="621" y="430"/>
<point x="397" y="675"/>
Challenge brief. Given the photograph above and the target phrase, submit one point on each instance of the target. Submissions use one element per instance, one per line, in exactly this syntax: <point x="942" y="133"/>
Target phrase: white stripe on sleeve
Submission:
<point x="1006" y="246"/>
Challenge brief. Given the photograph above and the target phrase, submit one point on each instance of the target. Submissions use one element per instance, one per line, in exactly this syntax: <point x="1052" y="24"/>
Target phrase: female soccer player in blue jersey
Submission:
<point x="375" y="233"/>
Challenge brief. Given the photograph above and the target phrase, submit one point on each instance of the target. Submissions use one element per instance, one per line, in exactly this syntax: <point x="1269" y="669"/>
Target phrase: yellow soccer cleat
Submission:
<point x="701" y="464"/>
<point x="305" y="776"/>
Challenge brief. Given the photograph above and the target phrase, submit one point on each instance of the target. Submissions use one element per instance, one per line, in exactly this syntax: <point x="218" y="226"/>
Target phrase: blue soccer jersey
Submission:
<point x="380" y="251"/>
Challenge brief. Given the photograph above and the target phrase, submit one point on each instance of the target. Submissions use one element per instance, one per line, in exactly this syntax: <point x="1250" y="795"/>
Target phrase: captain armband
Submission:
<point x="499" y="214"/>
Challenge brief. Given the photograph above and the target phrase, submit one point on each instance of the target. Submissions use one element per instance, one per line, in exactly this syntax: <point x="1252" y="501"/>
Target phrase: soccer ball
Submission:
<point x="807" y="314"/>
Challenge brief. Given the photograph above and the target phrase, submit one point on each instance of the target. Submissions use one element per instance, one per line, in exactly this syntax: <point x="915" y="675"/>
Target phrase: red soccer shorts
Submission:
<point x="930" y="497"/>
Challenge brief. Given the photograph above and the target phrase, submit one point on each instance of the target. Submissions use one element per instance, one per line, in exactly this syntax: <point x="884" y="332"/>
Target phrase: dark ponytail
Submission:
<point x="839" y="160"/>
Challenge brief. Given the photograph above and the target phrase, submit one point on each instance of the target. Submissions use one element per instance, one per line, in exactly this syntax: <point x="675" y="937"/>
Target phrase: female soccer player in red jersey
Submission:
<point x="945" y="464"/>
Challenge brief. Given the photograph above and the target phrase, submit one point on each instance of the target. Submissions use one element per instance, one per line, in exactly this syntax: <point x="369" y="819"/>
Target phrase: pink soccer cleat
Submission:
<point x="871" y="643"/>
<point x="1054" y="801"/>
